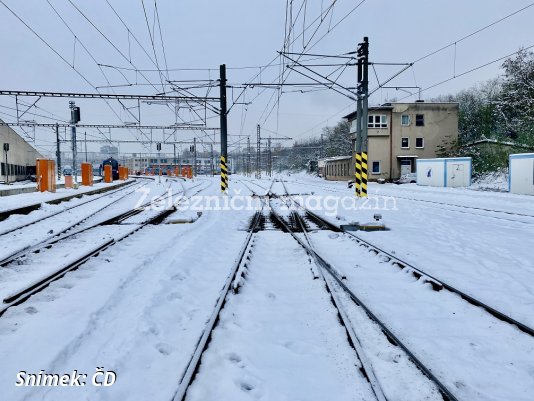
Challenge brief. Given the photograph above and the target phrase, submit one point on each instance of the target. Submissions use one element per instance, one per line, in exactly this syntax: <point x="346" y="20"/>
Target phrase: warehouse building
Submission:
<point x="336" y="168"/>
<point x="18" y="156"/>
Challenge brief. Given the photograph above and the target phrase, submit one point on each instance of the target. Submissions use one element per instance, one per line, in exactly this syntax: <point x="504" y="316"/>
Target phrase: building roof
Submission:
<point x="497" y="142"/>
<point x="391" y="106"/>
<point x="334" y="158"/>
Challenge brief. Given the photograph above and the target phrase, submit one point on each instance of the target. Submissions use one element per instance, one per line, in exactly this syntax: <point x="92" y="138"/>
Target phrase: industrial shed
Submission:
<point x="19" y="161"/>
<point x="338" y="168"/>
<point x="521" y="177"/>
<point x="444" y="172"/>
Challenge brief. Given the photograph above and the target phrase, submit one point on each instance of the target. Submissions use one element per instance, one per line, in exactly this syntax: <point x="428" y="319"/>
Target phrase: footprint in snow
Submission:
<point x="31" y="310"/>
<point x="234" y="358"/>
<point x="246" y="386"/>
<point x="164" y="349"/>
<point x="174" y="295"/>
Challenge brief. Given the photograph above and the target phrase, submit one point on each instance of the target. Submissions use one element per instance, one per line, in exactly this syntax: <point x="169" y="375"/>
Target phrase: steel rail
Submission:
<point x="474" y="208"/>
<point x="48" y="240"/>
<point x="367" y="366"/>
<point x="193" y="364"/>
<point x="4" y="214"/>
<point x="446" y="393"/>
<point x="56" y="237"/>
<point x="69" y="208"/>
<point x="23" y="294"/>
<point x="434" y="281"/>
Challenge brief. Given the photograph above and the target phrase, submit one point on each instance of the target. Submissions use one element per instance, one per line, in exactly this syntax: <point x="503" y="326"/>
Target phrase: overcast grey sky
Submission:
<point x="201" y="34"/>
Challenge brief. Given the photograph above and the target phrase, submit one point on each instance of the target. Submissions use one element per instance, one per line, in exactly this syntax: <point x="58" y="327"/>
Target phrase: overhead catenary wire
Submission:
<point x="436" y="51"/>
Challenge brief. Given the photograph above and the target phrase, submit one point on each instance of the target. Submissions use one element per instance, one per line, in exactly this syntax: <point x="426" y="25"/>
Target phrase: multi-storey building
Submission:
<point x="400" y="133"/>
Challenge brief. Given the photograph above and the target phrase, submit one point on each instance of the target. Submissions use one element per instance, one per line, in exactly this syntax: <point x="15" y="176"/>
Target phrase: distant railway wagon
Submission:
<point x="444" y="172"/>
<point x="521" y="177"/>
<point x="114" y="167"/>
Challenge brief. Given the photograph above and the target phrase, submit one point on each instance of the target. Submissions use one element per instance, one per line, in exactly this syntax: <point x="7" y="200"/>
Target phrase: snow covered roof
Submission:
<point x="497" y="142"/>
<point x="334" y="158"/>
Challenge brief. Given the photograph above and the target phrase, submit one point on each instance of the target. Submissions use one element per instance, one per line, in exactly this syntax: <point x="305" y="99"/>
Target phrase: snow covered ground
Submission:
<point x="139" y="307"/>
<point x="21" y="200"/>
<point x="485" y="254"/>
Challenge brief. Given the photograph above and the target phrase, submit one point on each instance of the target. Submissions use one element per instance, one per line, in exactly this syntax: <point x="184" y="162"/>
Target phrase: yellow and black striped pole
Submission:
<point x="363" y="191"/>
<point x="224" y="175"/>
<point x="358" y="173"/>
<point x="224" y="129"/>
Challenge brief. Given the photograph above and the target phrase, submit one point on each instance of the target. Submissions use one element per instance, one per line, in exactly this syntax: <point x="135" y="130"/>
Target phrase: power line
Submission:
<point x="474" y="33"/>
<point x="469" y="71"/>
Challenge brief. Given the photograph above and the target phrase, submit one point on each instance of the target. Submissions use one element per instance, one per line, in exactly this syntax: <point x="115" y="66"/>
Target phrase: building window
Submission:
<point x="420" y="143"/>
<point x="353" y="126"/>
<point x="419" y="120"/>
<point x="405" y="120"/>
<point x="377" y="121"/>
<point x="405" y="143"/>
<point x="375" y="168"/>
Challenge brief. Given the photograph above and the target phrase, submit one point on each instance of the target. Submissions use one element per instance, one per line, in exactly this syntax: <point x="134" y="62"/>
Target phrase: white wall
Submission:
<point x="430" y="172"/>
<point x="522" y="174"/>
<point x="444" y="172"/>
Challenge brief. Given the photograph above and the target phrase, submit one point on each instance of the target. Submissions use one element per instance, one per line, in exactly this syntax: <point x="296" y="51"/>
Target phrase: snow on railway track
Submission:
<point x="34" y="268"/>
<point x="435" y="324"/>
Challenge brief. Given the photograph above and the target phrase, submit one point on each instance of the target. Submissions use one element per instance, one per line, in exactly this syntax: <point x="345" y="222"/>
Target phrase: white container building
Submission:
<point x="521" y="175"/>
<point x="444" y="172"/>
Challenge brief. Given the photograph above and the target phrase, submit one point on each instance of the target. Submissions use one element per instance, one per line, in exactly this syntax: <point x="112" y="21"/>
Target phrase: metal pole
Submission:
<point x="6" y="165"/>
<point x="159" y="164"/>
<point x="358" y="150"/>
<point x="258" y="152"/>
<point x="270" y="157"/>
<point x="85" y="133"/>
<point x="211" y="160"/>
<point x="194" y="157"/>
<point x="58" y="152"/>
<point x="73" y="139"/>
<point x="180" y="163"/>
<point x="248" y="156"/>
<point x="174" y="160"/>
<point x="224" y="129"/>
<point x="365" y="109"/>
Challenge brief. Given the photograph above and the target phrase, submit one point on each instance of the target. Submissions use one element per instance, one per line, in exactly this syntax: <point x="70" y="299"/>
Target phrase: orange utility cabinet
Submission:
<point x="108" y="177"/>
<point x="87" y="174"/>
<point x="123" y="173"/>
<point x="68" y="181"/>
<point x="46" y="175"/>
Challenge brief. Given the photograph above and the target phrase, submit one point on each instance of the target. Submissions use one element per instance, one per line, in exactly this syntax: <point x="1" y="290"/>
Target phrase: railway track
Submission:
<point x="30" y="208"/>
<point x="418" y="272"/>
<point x="22" y="293"/>
<point x="231" y="283"/>
<point x="237" y="278"/>
<point x="48" y="216"/>
<point x="472" y="210"/>
<point x="331" y="275"/>
<point x="500" y="214"/>
<point x="51" y="235"/>
<point x="374" y="290"/>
